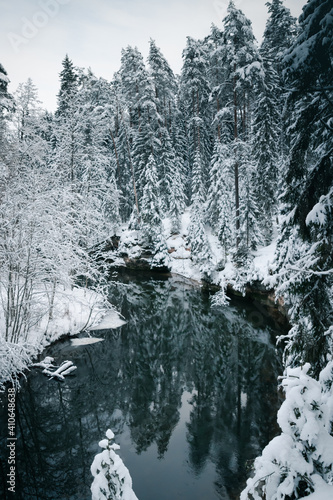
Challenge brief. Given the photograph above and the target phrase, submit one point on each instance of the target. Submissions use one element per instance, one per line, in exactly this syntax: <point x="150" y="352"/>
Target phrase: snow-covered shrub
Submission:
<point x="293" y="464"/>
<point x="112" y="480"/>
<point x="220" y="298"/>
<point x="15" y="359"/>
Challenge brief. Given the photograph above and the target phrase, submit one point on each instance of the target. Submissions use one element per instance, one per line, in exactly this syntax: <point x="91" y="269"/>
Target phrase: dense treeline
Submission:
<point x="243" y="137"/>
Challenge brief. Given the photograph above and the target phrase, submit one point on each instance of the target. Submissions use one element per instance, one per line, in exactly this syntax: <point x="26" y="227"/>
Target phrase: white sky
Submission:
<point x="37" y="34"/>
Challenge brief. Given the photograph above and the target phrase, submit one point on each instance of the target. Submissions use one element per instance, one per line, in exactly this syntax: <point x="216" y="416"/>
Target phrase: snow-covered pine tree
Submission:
<point x="112" y="480"/>
<point x="151" y="223"/>
<point x="266" y="146"/>
<point x="146" y="144"/>
<point x="164" y="82"/>
<point x="243" y="68"/>
<point x="176" y="201"/>
<point x="269" y="141"/>
<point x="198" y="182"/>
<point x="249" y="210"/>
<point x="280" y="32"/>
<point x="305" y="258"/>
<point x="216" y="76"/>
<point x="135" y="84"/>
<point x="298" y="461"/>
<point x="200" y="248"/>
<point x="219" y="205"/>
<point x="121" y="139"/>
<point x="198" y="241"/>
<point x="66" y="127"/>
<point x="97" y="183"/>
<point x="168" y="162"/>
<point x="170" y="182"/>
<point x="6" y="100"/>
<point x="83" y="156"/>
<point x="139" y="92"/>
<point x="68" y="86"/>
<point x="194" y="96"/>
<point x="181" y="145"/>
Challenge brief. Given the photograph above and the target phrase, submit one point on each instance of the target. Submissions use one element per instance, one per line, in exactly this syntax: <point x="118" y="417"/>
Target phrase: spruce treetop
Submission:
<point x="68" y="85"/>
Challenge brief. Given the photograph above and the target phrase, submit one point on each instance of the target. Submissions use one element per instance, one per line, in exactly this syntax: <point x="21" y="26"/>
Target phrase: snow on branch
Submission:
<point x="309" y="271"/>
<point x="52" y="371"/>
<point x="299" y="462"/>
<point x="112" y="480"/>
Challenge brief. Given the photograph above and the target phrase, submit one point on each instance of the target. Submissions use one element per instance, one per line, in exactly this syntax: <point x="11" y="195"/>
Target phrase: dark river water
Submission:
<point x="190" y="392"/>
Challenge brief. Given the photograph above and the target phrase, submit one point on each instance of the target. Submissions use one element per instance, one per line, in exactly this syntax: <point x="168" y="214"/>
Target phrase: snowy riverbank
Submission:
<point x="74" y="310"/>
<point x="222" y="270"/>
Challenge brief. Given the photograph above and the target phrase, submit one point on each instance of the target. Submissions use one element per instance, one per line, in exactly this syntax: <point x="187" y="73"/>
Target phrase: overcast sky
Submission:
<point x="37" y="34"/>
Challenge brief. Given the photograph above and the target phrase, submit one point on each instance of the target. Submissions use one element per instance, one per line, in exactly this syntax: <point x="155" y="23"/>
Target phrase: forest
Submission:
<point x="242" y="142"/>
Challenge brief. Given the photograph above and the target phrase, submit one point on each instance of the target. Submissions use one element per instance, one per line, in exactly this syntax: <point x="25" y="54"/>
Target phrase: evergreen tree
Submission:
<point x="266" y="145"/>
<point x="168" y="169"/>
<point x="279" y="35"/>
<point x="269" y="141"/>
<point x="137" y="88"/>
<point x="194" y="91"/>
<point x="198" y="184"/>
<point x="121" y="139"/>
<point x="219" y="210"/>
<point x="298" y="462"/>
<point x="6" y="100"/>
<point x="98" y="168"/>
<point x="216" y="74"/>
<point x="112" y="480"/>
<point x="83" y="157"/>
<point x="177" y="200"/>
<point x="243" y="68"/>
<point x="200" y="248"/>
<point x="68" y="86"/>
<point x="304" y="250"/>
<point x="146" y="144"/>
<point x="164" y="82"/>
<point x="139" y="92"/>
<point x="152" y="230"/>
<point x="250" y="214"/>
<point x="181" y="145"/>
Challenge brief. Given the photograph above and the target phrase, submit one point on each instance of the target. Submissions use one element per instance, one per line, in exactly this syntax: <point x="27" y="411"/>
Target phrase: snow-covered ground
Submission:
<point x="223" y="270"/>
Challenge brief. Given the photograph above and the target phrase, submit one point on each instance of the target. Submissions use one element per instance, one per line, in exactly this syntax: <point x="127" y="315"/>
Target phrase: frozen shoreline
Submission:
<point x="75" y="310"/>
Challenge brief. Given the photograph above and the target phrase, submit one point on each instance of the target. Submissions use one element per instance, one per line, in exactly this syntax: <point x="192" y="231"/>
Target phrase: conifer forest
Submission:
<point x="212" y="169"/>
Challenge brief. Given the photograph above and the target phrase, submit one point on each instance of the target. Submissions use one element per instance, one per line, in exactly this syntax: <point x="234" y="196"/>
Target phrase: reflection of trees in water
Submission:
<point x="234" y="373"/>
<point x="154" y="369"/>
<point x="173" y="342"/>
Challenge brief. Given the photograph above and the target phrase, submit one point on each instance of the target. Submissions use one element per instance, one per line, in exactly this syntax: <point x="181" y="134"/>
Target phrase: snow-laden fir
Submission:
<point x="112" y="480"/>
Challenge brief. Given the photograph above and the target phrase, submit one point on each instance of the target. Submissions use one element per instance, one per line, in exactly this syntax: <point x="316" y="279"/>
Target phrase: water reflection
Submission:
<point x="189" y="392"/>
